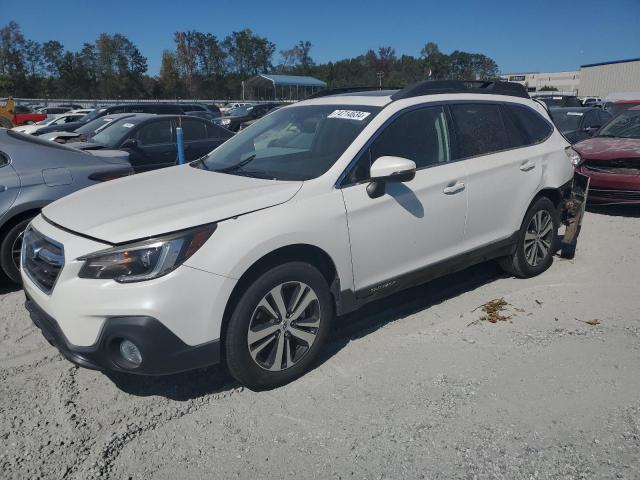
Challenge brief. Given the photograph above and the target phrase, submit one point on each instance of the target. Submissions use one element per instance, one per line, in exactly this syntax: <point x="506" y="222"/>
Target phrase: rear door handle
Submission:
<point x="455" y="188"/>
<point x="525" y="167"/>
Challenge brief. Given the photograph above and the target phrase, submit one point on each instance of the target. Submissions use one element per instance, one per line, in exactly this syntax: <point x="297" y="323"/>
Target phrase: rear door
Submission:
<point x="156" y="146"/>
<point x="504" y="170"/>
<point x="9" y="185"/>
<point x="196" y="138"/>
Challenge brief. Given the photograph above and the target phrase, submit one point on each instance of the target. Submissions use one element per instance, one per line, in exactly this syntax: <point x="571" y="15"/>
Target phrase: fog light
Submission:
<point x="130" y="352"/>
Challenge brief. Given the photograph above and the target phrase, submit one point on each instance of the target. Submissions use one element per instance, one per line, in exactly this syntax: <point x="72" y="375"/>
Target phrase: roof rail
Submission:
<point x="434" y="87"/>
<point x="337" y="91"/>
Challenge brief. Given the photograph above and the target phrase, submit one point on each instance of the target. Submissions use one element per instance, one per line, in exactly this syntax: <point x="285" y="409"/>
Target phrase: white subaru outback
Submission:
<point x="246" y="255"/>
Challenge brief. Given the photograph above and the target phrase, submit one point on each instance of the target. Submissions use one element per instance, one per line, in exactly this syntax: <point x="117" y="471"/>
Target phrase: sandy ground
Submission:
<point x="414" y="386"/>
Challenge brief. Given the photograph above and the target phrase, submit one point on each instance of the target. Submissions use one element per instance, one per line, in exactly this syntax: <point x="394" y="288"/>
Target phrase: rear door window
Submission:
<point x="479" y="129"/>
<point x="155" y="133"/>
<point x="194" y="130"/>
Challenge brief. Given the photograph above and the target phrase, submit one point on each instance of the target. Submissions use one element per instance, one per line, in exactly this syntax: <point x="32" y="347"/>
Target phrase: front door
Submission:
<point x="414" y="224"/>
<point x="156" y="147"/>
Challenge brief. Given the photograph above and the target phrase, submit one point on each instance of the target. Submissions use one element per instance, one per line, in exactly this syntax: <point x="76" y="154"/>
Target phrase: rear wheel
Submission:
<point x="10" y="249"/>
<point x="278" y="326"/>
<point x="537" y="241"/>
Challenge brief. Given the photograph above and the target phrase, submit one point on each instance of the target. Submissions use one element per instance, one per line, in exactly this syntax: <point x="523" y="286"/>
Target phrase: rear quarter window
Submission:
<point x="531" y="127"/>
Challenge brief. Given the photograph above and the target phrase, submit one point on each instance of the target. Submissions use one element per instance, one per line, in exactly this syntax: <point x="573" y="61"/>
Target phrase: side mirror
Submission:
<point x="130" y="143"/>
<point x="389" y="169"/>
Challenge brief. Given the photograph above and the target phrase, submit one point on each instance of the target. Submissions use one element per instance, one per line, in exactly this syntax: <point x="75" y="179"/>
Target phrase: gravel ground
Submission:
<point x="414" y="386"/>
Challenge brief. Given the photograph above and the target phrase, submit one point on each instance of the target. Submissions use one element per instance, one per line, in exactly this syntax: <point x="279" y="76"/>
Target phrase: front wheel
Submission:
<point x="278" y="326"/>
<point x="537" y="241"/>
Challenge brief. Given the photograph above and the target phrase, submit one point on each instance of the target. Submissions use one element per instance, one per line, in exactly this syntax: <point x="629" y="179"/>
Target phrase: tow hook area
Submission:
<point x="572" y="213"/>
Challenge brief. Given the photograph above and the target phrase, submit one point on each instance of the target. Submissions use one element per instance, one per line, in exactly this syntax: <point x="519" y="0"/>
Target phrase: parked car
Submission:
<point x="156" y="108"/>
<point x="231" y="105"/>
<point x="559" y="100"/>
<point x="58" y="120"/>
<point x="87" y="130"/>
<point x="53" y="111"/>
<point x="240" y="115"/>
<point x="611" y="159"/>
<point x="579" y="123"/>
<point x="248" y="123"/>
<point x="33" y="173"/>
<point x="247" y="254"/>
<point x="616" y="107"/>
<point x="150" y="139"/>
<point x="592" y="102"/>
<point x="24" y="116"/>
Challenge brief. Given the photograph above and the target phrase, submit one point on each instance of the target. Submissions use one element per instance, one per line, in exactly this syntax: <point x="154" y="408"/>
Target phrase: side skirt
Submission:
<point x="350" y="300"/>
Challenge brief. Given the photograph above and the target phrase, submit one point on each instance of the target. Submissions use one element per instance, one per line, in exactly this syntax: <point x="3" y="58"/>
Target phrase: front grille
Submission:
<point x="622" y="166"/>
<point x="42" y="259"/>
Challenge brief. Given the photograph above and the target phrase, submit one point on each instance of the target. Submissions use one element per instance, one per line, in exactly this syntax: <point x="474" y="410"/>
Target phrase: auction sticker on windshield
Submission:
<point x="349" y="114"/>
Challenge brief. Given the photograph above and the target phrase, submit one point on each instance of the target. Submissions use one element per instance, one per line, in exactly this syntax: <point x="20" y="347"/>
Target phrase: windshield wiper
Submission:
<point x="237" y="166"/>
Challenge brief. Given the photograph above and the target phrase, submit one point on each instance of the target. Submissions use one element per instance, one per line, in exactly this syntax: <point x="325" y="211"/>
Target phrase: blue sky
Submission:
<point x="519" y="35"/>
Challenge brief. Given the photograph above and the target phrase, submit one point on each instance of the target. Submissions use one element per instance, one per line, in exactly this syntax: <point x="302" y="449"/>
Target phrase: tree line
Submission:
<point x="202" y="65"/>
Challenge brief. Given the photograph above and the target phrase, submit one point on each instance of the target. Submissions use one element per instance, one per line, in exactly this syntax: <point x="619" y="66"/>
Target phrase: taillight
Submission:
<point x="110" y="175"/>
<point x="573" y="156"/>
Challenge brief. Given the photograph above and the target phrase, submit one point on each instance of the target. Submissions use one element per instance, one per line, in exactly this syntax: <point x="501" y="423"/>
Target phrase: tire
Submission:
<point x="9" y="248"/>
<point x="264" y="363"/>
<point x="530" y="258"/>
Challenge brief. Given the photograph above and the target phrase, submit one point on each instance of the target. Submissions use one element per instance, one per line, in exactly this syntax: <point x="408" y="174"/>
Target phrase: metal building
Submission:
<point x="604" y="79"/>
<point x="562" y="82"/>
<point x="280" y="87"/>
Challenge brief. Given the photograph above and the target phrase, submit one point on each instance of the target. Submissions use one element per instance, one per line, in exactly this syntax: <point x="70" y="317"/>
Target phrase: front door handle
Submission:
<point x="455" y="188"/>
<point x="525" y="167"/>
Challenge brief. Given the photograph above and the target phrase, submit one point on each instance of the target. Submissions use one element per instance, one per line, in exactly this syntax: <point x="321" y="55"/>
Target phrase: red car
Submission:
<point x="611" y="159"/>
<point x="23" y="116"/>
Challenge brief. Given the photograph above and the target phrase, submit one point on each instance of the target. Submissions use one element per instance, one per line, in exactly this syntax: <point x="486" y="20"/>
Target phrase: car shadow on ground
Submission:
<point x="631" y="211"/>
<point x="7" y="286"/>
<point x="213" y="380"/>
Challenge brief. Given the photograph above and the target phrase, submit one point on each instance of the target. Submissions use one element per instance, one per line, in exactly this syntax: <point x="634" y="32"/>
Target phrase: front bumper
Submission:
<point x="612" y="188"/>
<point x="162" y="351"/>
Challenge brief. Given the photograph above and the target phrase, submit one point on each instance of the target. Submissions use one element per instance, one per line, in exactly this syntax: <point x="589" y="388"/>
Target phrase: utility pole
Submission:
<point x="380" y="75"/>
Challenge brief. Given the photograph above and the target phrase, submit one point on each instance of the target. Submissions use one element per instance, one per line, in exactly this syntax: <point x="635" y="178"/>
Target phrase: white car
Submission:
<point x="230" y="106"/>
<point x="57" y="120"/>
<point x="246" y="256"/>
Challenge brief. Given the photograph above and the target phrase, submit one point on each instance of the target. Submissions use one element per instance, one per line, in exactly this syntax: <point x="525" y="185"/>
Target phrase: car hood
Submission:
<point x="162" y="201"/>
<point x="603" y="148"/>
<point x="59" y="134"/>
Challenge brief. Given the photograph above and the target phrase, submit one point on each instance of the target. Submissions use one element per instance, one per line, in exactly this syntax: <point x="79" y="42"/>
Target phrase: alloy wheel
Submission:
<point x="538" y="238"/>
<point x="284" y="326"/>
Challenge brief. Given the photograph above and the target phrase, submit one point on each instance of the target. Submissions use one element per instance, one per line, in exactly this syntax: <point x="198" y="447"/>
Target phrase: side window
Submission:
<point x="420" y="135"/>
<point x="604" y="117"/>
<point x="214" y="131"/>
<point x="516" y="128"/>
<point x="480" y="129"/>
<point x="155" y="133"/>
<point x="4" y="160"/>
<point x="590" y="120"/>
<point x="193" y="130"/>
<point x="537" y="128"/>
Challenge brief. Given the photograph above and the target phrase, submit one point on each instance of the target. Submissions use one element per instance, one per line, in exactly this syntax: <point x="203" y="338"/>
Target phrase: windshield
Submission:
<point x="295" y="143"/>
<point x="625" y="125"/>
<point x="566" y="121"/>
<point x="115" y="132"/>
<point x="88" y="129"/>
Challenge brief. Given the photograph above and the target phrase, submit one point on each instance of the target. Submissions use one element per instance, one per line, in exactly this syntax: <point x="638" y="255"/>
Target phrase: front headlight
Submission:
<point x="147" y="259"/>
<point x="225" y="121"/>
